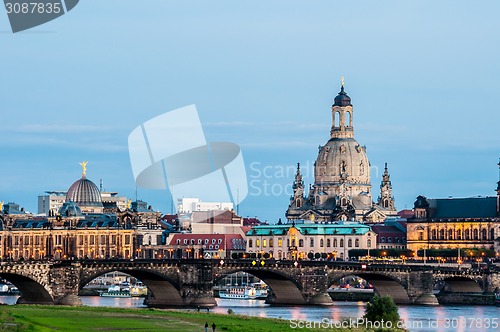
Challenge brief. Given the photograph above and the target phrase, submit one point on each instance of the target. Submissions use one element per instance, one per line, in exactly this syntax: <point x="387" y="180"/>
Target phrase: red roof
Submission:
<point x="407" y="214"/>
<point x="216" y="217"/>
<point x="222" y="241"/>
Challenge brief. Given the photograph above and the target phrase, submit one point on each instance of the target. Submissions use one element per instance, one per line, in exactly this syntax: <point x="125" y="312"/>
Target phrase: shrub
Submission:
<point x="382" y="308"/>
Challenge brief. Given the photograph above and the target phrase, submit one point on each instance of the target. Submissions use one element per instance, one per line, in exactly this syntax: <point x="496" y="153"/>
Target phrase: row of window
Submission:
<point x="199" y="241"/>
<point x="292" y="243"/>
<point x="467" y="234"/>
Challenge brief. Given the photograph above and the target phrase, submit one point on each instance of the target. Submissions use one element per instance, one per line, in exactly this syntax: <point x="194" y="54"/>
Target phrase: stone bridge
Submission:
<point x="185" y="282"/>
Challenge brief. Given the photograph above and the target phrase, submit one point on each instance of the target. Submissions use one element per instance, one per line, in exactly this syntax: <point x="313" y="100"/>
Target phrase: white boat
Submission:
<point x="138" y="290"/>
<point x="115" y="291"/>
<point x="238" y="292"/>
<point x="261" y="290"/>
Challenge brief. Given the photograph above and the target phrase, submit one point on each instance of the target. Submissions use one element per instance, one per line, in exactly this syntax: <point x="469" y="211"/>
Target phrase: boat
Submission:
<point x="8" y="290"/>
<point x="115" y="291"/>
<point x="138" y="290"/>
<point x="238" y="292"/>
<point x="261" y="290"/>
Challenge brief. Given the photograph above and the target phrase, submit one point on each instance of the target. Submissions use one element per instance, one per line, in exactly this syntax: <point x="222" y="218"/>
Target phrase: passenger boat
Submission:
<point x="138" y="290"/>
<point x="115" y="291"/>
<point x="261" y="290"/>
<point x="238" y="292"/>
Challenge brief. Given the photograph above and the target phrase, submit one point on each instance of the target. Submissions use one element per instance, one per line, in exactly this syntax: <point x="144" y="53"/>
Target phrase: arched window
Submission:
<point x="311" y="242"/>
<point x="297" y="203"/>
<point x="369" y="243"/>
<point x="348" y="122"/>
<point x="336" y="119"/>
<point x="441" y="234"/>
<point x="467" y="234"/>
<point x="356" y="243"/>
<point x="328" y="243"/>
<point x="301" y="243"/>
<point x="386" y="203"/>
<point x="317" y="200"/>
<point x="450" y="234"/>
<point x="492" y="234"/>
<point x="484" y="234"/>
<point x="343" y="201"/>
<point x="476" y="234"/>
<point x="382" y="239"/>
<point x="349" y="243"/>
<point x="257" y="243"/>
<point x="434" y="234"/>
<point x="271" y="243"/>
<point x="341" y="242"/>
<point x="335" y="242"/>
<point x="250" y="243"/>
<point x="459" y="234"/>
<point x="321" y="243"/>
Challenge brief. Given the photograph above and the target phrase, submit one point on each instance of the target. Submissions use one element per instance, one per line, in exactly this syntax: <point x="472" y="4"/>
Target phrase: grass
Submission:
<point x="59" y="318"/>
<point x="107" y="319"/>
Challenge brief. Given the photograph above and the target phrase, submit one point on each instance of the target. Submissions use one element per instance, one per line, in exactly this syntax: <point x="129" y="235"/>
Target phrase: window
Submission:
<point x="103" y="239"/>
<point x="321" y="243"/>
<point x="349" y="243"/>
<point x="383" y="239"/>
<point x="389" y="240"/>
<point x="257" y="243"/>
<point x="219" y="241"/>
<point x="199" y="241"/>
<point x="434" y="234"/>
<point x="264" y="243"/>
<point x="91" y="239"/>
<point x="459" y="234"/>
<point x="484" y="234"/>
<point x="26" y="239"/>
<point x="356" y="243"/>
<point x="297" y="203"/>
<point x="441" y="234"/>
<point x="450" y="234"/>
<point x="113" y="239"/>
<point x="311" y="242"/>
<point x="476" y="234"/>
<point x="178" y="241"/>
<point x="301" y="243"/>
<point x="271" y="243"/>
<point x="420" y="236"/>
<point x="192" y="241"/>
<point x="127" y="239"/>
<point x="185" y="241"/>
<point x="334" y="242"/>
<point x="250" y="243"/>
<point x="328" y="243"/>
<point x="467" y="234"/>
<point x="369" y="243"/>
<point x="213" y="241"/>
<point x="280" y="242"/>
<point x="206" y="241"/>
<point x="341" y="242"/>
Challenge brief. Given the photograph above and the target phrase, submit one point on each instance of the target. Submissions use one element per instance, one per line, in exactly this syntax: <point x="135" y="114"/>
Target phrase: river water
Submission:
<point x="416" y="318"/>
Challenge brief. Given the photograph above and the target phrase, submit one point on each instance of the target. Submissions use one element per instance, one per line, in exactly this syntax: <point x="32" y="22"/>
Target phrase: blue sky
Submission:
<point x="423" y="77"/>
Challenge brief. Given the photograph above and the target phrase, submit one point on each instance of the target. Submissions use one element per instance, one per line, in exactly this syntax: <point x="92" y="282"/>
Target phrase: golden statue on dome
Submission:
<point x="129" y="204"/>
<point x="84" y="168"/>
<point x="1" y="206"/>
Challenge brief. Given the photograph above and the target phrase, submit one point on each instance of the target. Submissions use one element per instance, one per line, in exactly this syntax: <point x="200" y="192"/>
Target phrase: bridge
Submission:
<point x="189" y="282"/>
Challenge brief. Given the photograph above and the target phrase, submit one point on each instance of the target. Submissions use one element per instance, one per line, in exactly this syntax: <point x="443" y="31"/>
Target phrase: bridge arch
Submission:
<point x="32" y="291"/>
<point x="384" y="284"/>
<point x="461" y="284"/>
<point x="162" y="289"/>
<point x="284" y="288"/>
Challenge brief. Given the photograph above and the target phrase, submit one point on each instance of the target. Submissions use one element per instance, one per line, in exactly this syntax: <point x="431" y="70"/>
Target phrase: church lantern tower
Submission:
<point x="386" y="199"/>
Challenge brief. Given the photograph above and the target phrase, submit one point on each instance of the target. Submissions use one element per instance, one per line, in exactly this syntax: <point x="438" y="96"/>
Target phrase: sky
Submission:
<point x="423" y="77"/>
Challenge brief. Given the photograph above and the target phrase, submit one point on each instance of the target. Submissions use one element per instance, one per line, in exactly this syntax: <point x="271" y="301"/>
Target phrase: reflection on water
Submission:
<point x="417" y="318"/>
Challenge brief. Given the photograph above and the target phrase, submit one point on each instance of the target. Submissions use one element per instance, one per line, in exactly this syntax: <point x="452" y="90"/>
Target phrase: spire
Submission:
<point x="298" y="178"/>
<point x="386" y="200"/>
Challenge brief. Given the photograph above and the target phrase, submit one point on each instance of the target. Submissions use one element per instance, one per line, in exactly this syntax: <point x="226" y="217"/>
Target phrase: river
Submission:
<point x="416" y="318"/>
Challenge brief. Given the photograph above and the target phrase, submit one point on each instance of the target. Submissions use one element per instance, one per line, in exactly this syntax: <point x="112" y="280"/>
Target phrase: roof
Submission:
<point x="474" y="207"/>
<point x="216" y="217"/>
<point x="311" y="229"/>
<point x="407" y="214"/>
<point x="23" y="223"/>
<point x="222" y="241"/>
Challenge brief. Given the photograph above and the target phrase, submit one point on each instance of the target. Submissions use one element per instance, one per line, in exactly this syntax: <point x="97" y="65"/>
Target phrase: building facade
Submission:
<point x="298" y="241"/>
<point x="452" y="223"/>
<point x="342" y="188"/>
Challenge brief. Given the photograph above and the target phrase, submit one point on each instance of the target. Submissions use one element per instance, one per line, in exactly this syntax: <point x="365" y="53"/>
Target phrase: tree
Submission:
<point x="382" y="308"/>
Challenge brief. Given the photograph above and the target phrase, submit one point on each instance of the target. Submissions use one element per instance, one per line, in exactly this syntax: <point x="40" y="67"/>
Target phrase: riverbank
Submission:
<point x="87" y="319"/>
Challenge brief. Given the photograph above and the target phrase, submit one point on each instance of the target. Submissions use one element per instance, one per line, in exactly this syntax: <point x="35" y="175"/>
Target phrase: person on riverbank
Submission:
<point x="213" y="327"/>
<point x="206" y="326"/>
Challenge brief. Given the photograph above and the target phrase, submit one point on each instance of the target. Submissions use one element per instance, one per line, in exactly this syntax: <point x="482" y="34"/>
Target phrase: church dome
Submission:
<point x="84" y="193"/>
<point x="342" y="98"/>
<point x="342" y="160"/>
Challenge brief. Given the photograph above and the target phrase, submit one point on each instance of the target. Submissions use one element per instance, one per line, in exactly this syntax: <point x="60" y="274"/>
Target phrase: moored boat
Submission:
<point x="238" y="292"/>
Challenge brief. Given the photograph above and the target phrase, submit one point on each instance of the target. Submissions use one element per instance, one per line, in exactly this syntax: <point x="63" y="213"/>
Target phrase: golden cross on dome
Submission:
<point x="84" y="167"/>
<point x="1" y="206"/>
<point x="342" y="79"/>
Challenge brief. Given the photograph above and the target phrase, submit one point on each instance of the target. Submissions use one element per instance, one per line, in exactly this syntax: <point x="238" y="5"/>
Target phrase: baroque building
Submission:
<point x="452" y="223"/>
<point x="342" y="188"/>
<point x="79" y="229"/>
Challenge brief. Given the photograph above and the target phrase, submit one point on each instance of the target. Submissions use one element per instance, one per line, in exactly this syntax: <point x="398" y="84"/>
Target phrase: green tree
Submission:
<point x="382" y="308"/>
